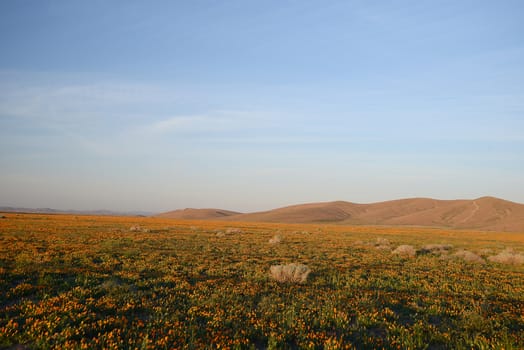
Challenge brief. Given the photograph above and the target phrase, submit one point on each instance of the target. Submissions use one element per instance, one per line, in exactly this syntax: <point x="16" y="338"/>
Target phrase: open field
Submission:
<point x="149" y="283"/>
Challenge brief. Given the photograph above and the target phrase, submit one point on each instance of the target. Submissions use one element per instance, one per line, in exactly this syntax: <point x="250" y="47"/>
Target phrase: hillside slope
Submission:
<point x="485" y="213"/>
<point x="197" y="214"/>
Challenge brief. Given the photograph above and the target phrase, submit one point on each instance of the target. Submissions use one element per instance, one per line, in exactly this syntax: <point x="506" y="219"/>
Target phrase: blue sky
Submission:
<point x="245" y="105"/>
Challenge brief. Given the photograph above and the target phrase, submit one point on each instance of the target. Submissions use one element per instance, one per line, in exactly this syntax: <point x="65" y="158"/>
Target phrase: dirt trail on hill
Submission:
<point x="473" y="212"/>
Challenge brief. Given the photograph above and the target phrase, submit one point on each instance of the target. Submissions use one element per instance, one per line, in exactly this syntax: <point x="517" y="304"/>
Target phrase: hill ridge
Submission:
<point x="483" y="213"/>
<point x="197" y="214"/>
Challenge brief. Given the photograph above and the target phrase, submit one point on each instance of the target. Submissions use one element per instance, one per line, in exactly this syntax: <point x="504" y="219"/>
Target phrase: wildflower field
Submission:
<point x="91" y="282"/>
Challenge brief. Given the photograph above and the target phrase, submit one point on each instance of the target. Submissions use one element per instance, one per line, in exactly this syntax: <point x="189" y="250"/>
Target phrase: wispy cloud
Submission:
<point x="66" y="101"/>
<point x="190" y="123"/>
<point x="212" y="122"/>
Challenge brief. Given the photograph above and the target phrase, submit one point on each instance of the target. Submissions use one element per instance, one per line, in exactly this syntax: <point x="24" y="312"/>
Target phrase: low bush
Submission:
<point x="468" y="256"/>
<point x="233" y="230"/>
<point x="290" y="273"/>
<point x="382" y="244"/>
<point x="509" y="257"/>
<point x="435" y="249"/>
<point x="405" y="250"/>
<point x="276" y="239"/>
<point x="138" y="228"/>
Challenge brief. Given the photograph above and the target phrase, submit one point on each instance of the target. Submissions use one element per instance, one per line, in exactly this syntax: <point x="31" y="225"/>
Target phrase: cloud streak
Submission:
<point x="194" y="123"/>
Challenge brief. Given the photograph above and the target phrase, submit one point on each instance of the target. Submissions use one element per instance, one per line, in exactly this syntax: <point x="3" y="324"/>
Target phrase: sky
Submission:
<point x="254" y="105"/>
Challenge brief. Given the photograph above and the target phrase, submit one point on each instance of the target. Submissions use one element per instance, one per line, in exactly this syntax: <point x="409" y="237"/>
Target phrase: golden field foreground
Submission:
<point x="148" y="283"/>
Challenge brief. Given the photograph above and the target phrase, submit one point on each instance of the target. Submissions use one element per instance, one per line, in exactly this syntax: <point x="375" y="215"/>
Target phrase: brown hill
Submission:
<point x="303" y="213"/>
<point x="486" y="213"/>
<point x="197" y="214"/>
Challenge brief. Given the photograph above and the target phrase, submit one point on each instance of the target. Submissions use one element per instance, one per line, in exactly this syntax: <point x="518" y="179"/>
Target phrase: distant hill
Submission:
<point x="197" y="214"/>
<point x="70" y="211"/>
<point x="304" y="213"/>
<point x="485" y="213"/>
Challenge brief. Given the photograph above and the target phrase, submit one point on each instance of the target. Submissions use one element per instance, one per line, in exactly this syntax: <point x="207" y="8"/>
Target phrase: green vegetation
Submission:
<point x="92" y="282"/>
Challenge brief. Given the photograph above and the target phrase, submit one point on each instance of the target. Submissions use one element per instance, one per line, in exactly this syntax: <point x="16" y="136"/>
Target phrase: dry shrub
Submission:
<point x="382" y="243"/>
<point x="509" y="257"/>
<point x="220" y="234"/>
<point x="138" y="228"/>
<point x="276" y="239"/>
<point x="468" y="256"/>
<point x="290" y="273"/>
<point x="405" y="250"/>
<point x="485" y="251"/>
<point x="437" y="247"/>
<point x="233" y="230"/>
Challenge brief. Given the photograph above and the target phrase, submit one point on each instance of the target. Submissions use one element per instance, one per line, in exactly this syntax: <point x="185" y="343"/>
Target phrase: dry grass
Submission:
<point x="138" y="228"/>
<point x="405" y="250"/>
<point x="485" y="251"/>
<point x="276" y="239"/>
<point x="508" y="257"/>
<point x="468" y="256"/>
<point x="290" y="273"/>
<point x="382" y="244"/>
<point x="226" y="232"/>
<point x="233" y="230"/>
<point x="382" y="241"/>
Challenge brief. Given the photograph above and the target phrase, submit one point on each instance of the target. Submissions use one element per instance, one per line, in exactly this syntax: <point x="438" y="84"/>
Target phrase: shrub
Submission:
<point x="509" y="257"/>
<point x="276" y="239"/>
<point x="485" y="251"/>
<point x="138" y="228"/>
<point x="382" y="243"/>
<point x="468" y="256"/>
<point x="435" y="249"/>
<point x="290" y="273"/>
<point x="405" y="250"/>
<point x="233" y="230"/>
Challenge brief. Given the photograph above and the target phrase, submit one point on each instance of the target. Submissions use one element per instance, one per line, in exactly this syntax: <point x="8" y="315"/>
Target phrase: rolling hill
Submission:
<point x="5" y="209"/>
<point x="197" y="214"/>
<point x="485" y="213"/>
